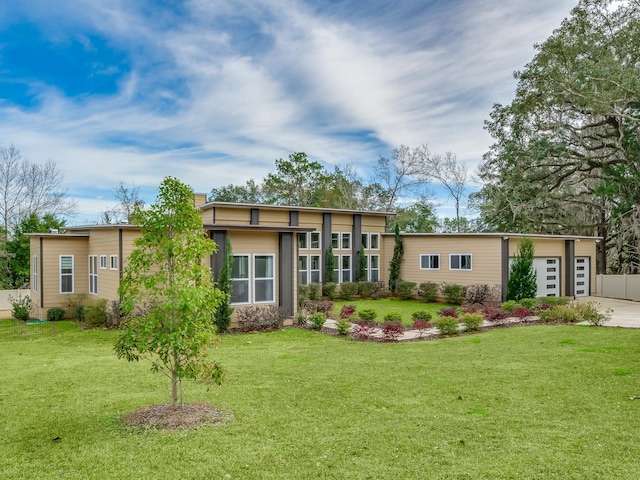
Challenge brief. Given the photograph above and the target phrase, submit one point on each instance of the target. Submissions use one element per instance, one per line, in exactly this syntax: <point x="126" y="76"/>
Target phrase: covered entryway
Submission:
<point x="582" y="276"/>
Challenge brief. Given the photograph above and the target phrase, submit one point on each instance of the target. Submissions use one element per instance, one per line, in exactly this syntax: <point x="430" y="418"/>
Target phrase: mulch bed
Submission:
<point x="166" y="417"/>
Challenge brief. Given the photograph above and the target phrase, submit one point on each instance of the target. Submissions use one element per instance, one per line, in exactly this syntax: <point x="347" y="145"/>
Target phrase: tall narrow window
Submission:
<point x="345" y="241"/>
<point x="93" y="273"/>
<point x="345" y="267"/>
<point x="374" y="242"/>
<point x="365" y="240"/>
<point x="374" y="268"/>
<point x="240" y="279"/>
<point x="302" y="241"/>
<point x="315" y="240"/>
<point x="34" y="277"/>
<point x="114" y="262"/>
<point x="335" y="240"/>
<point x="66" y="273"/>
<point x="315" y="268"/>
<point x="336" y="269"/>
<point x="303" y="269"/>
<point x="264" y="279"/>
<point x="103" y="262"/>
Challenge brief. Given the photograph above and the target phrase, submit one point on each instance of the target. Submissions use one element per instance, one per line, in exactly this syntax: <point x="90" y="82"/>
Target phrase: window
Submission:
<point x="374" y="268"/>
<point x="303" y="267"/>
<point x="66" y="273"/>
<point x="93" y="272"/>
<point x="459" y="261"/>
<point x="429" y="262"/>
<point x="315" y="269"/>
<point x="335" y="240"/>
<point x="345" y="268"/>
<point x="374" y="243"/>
<point x="315" y="240"/>
<point x="103" y="262"/>
<point x="302" y="241"/>
<point x="240" y="279"/>
<point x="264" y="279"/>
<point x="34" y="277"/>
<point x="365" y="240"/>
<point x="336" y="269"/>
<point x="113" y="262"/>
<point x="346" y="241"/>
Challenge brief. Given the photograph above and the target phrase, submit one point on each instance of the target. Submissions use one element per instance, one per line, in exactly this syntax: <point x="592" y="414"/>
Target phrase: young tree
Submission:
<point x="522" y="276"/>
<point x="362" y="265"/>
<point x="396" y="260"/>
<point x="168" y="295"/>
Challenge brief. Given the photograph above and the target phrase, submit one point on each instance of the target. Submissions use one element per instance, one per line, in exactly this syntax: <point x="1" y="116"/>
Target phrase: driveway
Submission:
<point x="625" y="312"/>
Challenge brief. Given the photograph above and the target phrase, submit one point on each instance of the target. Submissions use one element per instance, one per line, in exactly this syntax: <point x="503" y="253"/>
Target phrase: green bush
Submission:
<point x="429" y="291"/>
<point x="348" y="290"/>
<point x="591" y="313"/>
<point x="367" y="315"/>
<point x="453" y="293"/>
<point x="472" y="321"/>
<point x="366" y="289"/>
<point x="528" y="302"/>
<point x="95" y="313"/>
<point x="314" y="291"/>
<point x="55" y="313"/>
<point x="555" y="301"/>
<point x="317" y="320"/>
<point x="303" y="293"/>
<point x="393" y="317"/>
<point x="79" y="311"/>
<point x="406" y="290"/>
<point x="21" y="307"/>
<point x="510" y="306"/>
<point x="421" y="315"/>
<point x="329" y="289"/>
<point x="447" y="325"/>
<point x="343" y="325"/>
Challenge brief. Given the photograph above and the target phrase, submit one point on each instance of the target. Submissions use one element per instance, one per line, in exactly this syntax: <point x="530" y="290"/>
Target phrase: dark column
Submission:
<point x="326" y="241"/>
<point x="255" y="216"/>
<point x="356" y="246"/>
<point x="505" y="267"/>
<point x="217" y="259"/>
<point x="286" y="273"/>
<point x="569" y="268"/>
<point x="294" y="218"/>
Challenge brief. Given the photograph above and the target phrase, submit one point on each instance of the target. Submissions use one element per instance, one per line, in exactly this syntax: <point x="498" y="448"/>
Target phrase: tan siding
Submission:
<point x="310" y="219"/>
<point x="249" y="243"/>
<point x="341" y="222"/>
<point x="543" y="247"/>
<point x="274" y="217"/>
<point x="105" y="242"/>
<point x="233" y="216"/>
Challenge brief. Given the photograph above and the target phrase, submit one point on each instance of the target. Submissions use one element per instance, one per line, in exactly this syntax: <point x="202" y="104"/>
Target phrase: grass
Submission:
<point x="551" y="402"/>
<point x="382" y="306"/>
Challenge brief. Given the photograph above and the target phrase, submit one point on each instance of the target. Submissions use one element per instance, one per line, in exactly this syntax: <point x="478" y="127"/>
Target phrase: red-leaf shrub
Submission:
<point x="448" y="312"/>
<point x="363" y="331"/>
<point x="347" y="311"/>
<point x="521" y="312"/>
<point x="392" y="331"/>
<point x="494" y="314"/>
<point x="421" y="325"/>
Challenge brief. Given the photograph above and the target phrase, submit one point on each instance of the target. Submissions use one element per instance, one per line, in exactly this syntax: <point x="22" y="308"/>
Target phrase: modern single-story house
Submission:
<point x="276" y="248"/>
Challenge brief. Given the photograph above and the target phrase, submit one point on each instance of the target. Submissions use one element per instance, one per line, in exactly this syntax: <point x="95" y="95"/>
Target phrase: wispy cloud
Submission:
<point x="213" y="91"/>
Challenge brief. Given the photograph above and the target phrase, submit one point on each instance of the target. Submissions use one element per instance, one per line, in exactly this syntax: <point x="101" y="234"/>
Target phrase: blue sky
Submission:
<point x="213" y="91"/>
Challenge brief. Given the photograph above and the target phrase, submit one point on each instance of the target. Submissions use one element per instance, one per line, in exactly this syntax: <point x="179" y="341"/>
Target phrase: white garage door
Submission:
<point x="547" y="276"/>
<point x="582" y="275"/>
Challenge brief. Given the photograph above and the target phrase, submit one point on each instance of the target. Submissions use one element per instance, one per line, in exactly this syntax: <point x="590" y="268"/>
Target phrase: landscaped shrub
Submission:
<point x="528" y="302"/>
<point x="510" y="306"/>
<point x="453" y="293"/>
<point x="548" y="314"/>
<point x="55" y="313"/>
<point x="591" y="313"/>
<point x="521" y="312"/>
<point x="329" y="290"/>
<point x="495" y="315"/>
<point x="406" y="290"/>
<point x="303" y="293"/>
<point x="567" y="313"/>
<point x="421" y="315"/>
<point x="348" y="290"/>
<point x="448" y="312"/>
<point x="363" y="331"/>
<point x="472" y="321"/>
<point x="95" y="313"/>
<point x="421" y="325"/>
<point x="429" y="291"/>
<point x="393" y="317"/>
<point x="343" y="326"/>
<point x="380" y="291"/>
<point x="366" y="289"/>
<point x="483" y="294"/>
<point x="79" y="312"/>
<point x="20" y="307"/>
<point x="256" y="318"/>
<point x="447" y="325"/>
<point x="472" y="308"/>
<point x="554" y="301"/>
<point x="392" y="330"/>
<point x="317" y="320"/>
<point x="314" y="291"/>
<point x="114" y="314"/>
<point x="73" y="302"/>
<point x="347" y="311"/>
<point x="367" y="315"/>
<point x="322" y="306"/>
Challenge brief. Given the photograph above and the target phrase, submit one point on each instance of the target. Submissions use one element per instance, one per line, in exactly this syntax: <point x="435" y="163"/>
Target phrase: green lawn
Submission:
<point x="382" y="306"/>
<point x="552" y="402"/>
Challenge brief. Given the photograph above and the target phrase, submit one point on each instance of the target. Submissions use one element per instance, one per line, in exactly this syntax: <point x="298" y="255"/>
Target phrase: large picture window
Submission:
<point x="460" y="261"/>
<point x="66" y="273"/>
<point x="429" y="262"/>
<point x="264" y="279"/>
<point x="93" y="273"/>
<point x="240" y="279"/>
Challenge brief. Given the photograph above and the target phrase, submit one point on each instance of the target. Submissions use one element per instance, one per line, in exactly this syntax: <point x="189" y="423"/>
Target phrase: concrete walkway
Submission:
<point x="625" y="313"/>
